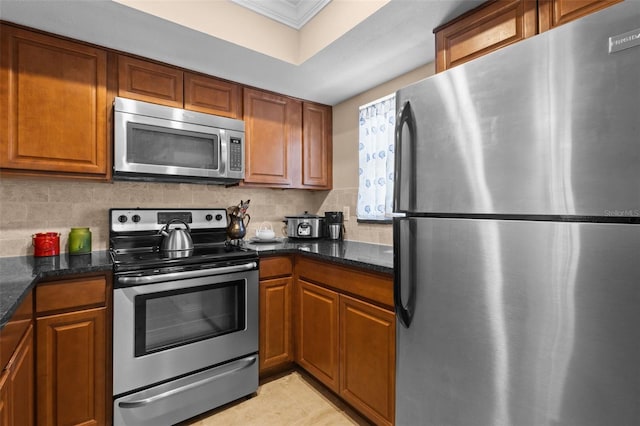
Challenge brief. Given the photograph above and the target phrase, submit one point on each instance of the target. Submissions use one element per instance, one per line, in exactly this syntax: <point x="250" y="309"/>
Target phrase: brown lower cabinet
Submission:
<point x="367" y="358"/>
<point x="16" y="367"/>
<point x="72" y="357"/>
<point x="345" y="334"/>
<point x="16" y="385"/>
<point x="317" y="334"/>
<point x="276" y="339"/>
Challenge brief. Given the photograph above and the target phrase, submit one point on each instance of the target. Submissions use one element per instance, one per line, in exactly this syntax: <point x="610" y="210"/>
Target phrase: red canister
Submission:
<point x="46" y="244"/>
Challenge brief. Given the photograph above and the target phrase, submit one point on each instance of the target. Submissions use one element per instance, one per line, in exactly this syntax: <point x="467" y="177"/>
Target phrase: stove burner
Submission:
<point x="137" y="247"/>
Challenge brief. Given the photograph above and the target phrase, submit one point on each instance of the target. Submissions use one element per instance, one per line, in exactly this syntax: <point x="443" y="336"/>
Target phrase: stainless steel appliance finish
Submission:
<point x="335" y="225"/>
<point x="517" y="274"/>
<point x="159" y="143"/>
<point x="549" y="125"/>
<point x="185" y="326"/>
<point x="305" y="226"/>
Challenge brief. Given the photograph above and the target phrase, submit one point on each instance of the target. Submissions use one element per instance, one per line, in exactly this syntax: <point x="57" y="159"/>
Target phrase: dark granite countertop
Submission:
<point x="19" y="274"/>
<point x="374" y="257"/>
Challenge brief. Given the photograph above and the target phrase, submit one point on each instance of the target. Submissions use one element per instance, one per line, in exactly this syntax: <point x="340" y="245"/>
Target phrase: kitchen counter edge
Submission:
<point x="373" y="257"/>
<point x="20" y="274"/>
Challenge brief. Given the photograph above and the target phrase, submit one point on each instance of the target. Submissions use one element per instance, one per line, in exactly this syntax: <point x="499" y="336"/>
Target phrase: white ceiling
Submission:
<point x="394" y="40"/>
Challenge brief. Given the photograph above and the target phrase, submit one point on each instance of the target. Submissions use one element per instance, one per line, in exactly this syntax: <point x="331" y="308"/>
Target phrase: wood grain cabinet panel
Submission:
<point x="17" y="385"/>
<point x="54" y="106"/>
<point x="150" y="82"/>
<point x="276" y="305"/>
<point x="276" y="349"/>
<point x="317" y="333"/>
<point x="212" y="96"/>
<point x="317" y="148"/>
<point x="360" y="313"/>
<point x="73" y="351"/>
<point x="499" y="23"/>
<point x="367" y="359"/>
<point x="273" y="133"/>
<point x="5" y="398"/>
<point x="553" y="13"/>
<point x="71" y="381"/>
<point x="491" y="26"/>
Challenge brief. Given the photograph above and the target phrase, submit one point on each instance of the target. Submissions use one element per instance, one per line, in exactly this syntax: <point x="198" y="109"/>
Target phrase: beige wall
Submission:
<point x="28" y="206"/>
<point x="345" y="157"/>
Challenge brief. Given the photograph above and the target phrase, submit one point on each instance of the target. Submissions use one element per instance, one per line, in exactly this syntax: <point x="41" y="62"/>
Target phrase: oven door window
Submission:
<point x="161" y="146"/>
<point x="174" y="318"/>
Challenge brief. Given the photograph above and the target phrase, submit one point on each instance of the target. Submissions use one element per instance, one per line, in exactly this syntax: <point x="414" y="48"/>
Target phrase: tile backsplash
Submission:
<point x="28" y="206"/>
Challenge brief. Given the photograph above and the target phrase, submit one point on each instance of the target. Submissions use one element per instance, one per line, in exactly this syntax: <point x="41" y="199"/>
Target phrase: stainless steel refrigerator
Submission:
<point x="517" y="260"/>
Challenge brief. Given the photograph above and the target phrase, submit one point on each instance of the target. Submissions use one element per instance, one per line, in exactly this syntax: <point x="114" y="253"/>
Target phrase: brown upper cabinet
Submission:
<point x="317" y="147"/>
<point x="552" y="13"/>
<point x="54" y="106"/>
<point x="499" y="23"/>
<point x="493" y="25"/>
<point x="150" y="82"/>
<point x="171" y="86"/>
<point x="288" y="142"/>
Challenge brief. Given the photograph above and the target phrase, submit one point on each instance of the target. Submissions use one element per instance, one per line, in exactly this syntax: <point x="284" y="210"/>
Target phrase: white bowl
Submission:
<point x="265" y="234"/>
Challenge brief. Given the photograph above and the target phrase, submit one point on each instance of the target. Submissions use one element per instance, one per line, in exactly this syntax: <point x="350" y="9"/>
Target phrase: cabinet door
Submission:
<point x="212" y="96"/>
<point x="273" y="132"/>
<point x="150" y="82"/>
<point x="552" y="13"/>
<point x="5" y="398"/>
<point x="317" y="150"/>
<point x="482" y="30"/>
<point x="275" y="323"/>
<point x="54" y="105"/>
<point x="22" y="382"/>
<point x="317" y="333"/>
<point x="367" y="359"/>
<point x="71" y="368"/>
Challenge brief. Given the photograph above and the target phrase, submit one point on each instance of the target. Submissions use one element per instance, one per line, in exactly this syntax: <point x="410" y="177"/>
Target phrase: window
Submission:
<point x="376" y="157"/>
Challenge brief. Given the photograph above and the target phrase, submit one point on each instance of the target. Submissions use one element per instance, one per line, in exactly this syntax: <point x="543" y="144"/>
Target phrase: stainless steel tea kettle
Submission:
<point x="176" y="239"/>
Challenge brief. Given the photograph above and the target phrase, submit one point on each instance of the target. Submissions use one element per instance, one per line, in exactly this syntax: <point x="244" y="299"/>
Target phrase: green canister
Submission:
<point x="79" y="241"/>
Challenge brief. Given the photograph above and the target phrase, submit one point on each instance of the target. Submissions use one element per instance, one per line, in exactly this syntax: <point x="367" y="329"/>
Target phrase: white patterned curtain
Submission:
<point x="376" y="148"/>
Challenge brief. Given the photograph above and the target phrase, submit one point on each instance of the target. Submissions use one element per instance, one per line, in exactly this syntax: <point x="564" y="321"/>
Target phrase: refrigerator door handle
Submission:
<point x="404" y="313"/>
<point x="405" y="116"/>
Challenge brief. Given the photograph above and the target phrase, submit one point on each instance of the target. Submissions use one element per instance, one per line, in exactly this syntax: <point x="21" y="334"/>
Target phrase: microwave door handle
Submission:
<point x="223" y="149"/>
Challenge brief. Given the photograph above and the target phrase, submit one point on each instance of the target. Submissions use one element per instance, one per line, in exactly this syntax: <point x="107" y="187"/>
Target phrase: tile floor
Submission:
<point x="290" y="399"/>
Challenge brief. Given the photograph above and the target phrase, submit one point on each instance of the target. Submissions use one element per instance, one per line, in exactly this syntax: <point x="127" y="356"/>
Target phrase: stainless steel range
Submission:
<point x="185" y="321"/>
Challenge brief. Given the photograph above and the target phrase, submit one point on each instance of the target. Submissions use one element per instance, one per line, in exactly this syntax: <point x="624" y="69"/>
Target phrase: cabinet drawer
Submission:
<point x="71" y="294"/>
<point x="275" y="267"/>
<point x="372" y="286"/>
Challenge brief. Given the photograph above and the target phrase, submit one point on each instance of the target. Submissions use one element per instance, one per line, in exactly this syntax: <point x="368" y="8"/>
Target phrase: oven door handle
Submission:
<point x="246" y="363"/>
<point x="150" y="279"/>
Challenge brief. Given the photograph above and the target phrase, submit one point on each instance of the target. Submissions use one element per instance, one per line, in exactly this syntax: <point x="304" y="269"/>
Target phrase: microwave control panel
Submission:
<point x="235" y="154"/>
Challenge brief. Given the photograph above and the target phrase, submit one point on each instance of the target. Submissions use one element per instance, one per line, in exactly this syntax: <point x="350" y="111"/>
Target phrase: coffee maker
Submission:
<point x="334" y="222"/>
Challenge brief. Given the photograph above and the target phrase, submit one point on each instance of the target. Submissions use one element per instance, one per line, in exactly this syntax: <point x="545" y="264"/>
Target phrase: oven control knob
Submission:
<point x="122" y="218"/>
<point x="218" y="216"/>
<point x="136" y="218"/>
<point x="208" y="217"/>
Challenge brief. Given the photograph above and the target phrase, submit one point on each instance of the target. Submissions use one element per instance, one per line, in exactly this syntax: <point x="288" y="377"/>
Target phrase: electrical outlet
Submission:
<point x="345" y="213"/>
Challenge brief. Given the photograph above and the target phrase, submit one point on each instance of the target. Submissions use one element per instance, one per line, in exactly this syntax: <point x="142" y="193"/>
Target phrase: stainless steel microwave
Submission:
<point x="158" y="143"/>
